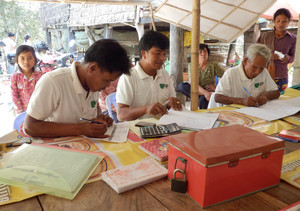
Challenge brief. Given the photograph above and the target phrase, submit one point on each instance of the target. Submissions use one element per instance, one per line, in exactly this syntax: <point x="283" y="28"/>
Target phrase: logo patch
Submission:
<point x="162" y="86"/>
<point x="93" y="103"/>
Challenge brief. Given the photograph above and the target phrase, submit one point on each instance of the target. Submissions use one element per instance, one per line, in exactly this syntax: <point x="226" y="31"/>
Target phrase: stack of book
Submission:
<point x="132" y="176"/>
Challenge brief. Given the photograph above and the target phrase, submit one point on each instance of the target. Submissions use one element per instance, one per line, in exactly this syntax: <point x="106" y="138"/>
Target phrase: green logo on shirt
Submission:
<point x="256" y="85"/>
<point x="93" y="103"/>
<point x="163" y="86"/>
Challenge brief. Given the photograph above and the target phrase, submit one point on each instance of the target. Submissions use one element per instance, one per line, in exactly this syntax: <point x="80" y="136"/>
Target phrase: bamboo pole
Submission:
<point x="296" y="73"/>
<point x="195" y="55"/>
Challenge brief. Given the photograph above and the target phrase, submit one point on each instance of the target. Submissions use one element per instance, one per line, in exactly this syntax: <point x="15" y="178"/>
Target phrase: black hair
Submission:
<point x="282" y="11"/>
<point x="27" y="36"/>
<point x="153" y="39"/>
<point x="26" y="48"/>
<point x="109" y="55"/>
<point x="10" y="34"/>
<point x="203" y="46"/>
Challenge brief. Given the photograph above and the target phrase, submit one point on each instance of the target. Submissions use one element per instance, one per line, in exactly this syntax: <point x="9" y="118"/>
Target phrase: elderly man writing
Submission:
<point x="250" y="83"/>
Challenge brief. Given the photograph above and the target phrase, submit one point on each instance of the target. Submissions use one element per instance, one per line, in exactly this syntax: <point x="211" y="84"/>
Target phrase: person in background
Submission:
<point x="148" y="91"/>
<point x="10" y="51"/>
<point x="27" y="40"/>
<point x="24" y="79"/>
<point x="248" y="84"/>
<point x="10" y="43"/>
<point x="282" y="41"/>
<point x="65" y="101"/>
<point x="207" y="73"/>
<point x="102" y="97"/>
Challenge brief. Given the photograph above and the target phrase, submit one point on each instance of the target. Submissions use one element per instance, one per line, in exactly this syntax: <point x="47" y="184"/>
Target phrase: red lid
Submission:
<point x="222" y="144"/>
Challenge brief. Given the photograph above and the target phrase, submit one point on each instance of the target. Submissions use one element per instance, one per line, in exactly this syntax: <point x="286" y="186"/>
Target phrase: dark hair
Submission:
<point x="10" y="34"/>
<point x="153" y="39"/>
<point x="282" y="11"/>
<point x="203" y="46"/>
<point x="26" y="48"/>
<point x="109" y="55"/>
<point x="27" y="36"/>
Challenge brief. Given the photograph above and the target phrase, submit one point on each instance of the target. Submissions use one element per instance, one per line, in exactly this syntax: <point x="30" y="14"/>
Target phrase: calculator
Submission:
<point x="159" y="130"/>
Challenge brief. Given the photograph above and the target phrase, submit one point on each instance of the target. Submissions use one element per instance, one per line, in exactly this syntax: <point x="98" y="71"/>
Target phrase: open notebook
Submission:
<point x="53" y="171"/>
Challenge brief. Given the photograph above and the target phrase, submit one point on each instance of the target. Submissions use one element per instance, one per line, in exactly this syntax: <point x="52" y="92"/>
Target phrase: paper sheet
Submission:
<point x="118" y="133"/>
<point x="189" y="119"/>
<point x="274" y="109"/>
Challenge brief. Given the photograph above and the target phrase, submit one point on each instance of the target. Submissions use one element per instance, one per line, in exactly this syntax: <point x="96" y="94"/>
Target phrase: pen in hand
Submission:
<point x="249" y="94"/>
<point x="166" y="103"/>
<point x="247" y="91"/>
<point x="91" y="121"/>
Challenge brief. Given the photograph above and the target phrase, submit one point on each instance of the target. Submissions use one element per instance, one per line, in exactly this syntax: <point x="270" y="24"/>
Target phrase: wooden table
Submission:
<point x="158" y="196"/>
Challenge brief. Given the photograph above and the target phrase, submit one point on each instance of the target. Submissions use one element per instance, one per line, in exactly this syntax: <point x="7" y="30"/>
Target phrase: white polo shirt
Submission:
<point x="59" y="97"/>
<point x="234" y="79"/>
<point x="139" y="89"/>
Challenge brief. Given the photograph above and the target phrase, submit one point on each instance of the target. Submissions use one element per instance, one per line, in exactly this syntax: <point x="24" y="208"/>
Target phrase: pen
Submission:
<point x="166" y="103"/>
<point x="288" y="139"/>
<point x="246" y="91"/>
<point x="249" y="95"/>
<point x="96" y="122"/>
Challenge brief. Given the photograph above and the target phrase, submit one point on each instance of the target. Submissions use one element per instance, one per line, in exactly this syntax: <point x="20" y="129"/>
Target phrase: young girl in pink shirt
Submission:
<point x="24" y="79"/>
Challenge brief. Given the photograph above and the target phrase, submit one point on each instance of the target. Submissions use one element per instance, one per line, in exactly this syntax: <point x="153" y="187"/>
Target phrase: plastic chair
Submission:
<point x="111" y="99"/>
<point x="19" y="120"/>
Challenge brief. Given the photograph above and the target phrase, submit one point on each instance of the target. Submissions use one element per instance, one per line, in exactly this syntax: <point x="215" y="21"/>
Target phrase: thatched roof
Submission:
<point x="80" y="15"/>
<point x="54" y="15"/>
<point x="91" y="15"/>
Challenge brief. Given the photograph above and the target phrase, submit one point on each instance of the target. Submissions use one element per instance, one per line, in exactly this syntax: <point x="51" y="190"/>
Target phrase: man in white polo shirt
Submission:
<point x="148" y="90"/>
<point x="63" y="96"/>
<point x="250" y="83"/>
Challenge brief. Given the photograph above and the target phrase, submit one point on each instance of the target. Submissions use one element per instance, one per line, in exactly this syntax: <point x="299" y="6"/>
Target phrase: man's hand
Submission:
<point x="210" y="88"/>
<point x="250" y="101"/>
<point x="207" y="95"/>
<point x="109" y="121"/>
<point x="95" y="130"/>
<point x="261" y="99"/>
<point x="174" y="103"/>
<point x="156" y="109"/>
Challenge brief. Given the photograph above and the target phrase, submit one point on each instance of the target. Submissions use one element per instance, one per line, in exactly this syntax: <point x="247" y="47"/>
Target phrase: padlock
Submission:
<point x="178" y="184"/>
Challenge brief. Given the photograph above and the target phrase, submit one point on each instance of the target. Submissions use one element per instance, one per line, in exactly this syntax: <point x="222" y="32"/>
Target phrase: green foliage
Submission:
<point x="20" y="19"/>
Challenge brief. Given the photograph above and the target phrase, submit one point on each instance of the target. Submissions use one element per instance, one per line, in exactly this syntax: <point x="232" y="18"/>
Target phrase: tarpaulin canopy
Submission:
<point x="292" y="5"/>
<point x="220" y="19"/>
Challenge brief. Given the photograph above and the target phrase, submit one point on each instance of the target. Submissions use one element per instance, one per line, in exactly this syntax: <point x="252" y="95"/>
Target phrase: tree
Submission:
<point x="20" y="19"/>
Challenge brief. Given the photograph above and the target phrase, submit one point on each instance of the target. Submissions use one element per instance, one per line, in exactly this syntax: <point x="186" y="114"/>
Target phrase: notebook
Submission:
<point x="157" y="148"/>
<point x="290" y="170"/>
<point x="135" y="175"/>
<point x="53" y="171"/>
<point x="289" y="135"/>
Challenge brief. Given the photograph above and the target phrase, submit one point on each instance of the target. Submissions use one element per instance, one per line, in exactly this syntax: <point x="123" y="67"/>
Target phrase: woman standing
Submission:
<point x="282" y="44"/>
<point x="207" y="72"/>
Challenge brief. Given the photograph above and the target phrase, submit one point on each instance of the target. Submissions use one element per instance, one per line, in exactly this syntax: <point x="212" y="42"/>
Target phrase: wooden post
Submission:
<point x="195" y="55"/>
<point x="108" y="32"/>
<point x="48" y="39"/>
<point x="138" y="26"/>
<point x="296" y="72"/>
<point x="71" y="36"/>
<point x="176" y="56"/>
<point x="58" y="40"/>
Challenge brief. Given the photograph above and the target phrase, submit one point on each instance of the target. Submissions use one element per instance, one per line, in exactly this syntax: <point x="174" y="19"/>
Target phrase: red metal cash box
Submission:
<point x="225" y="163"/>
